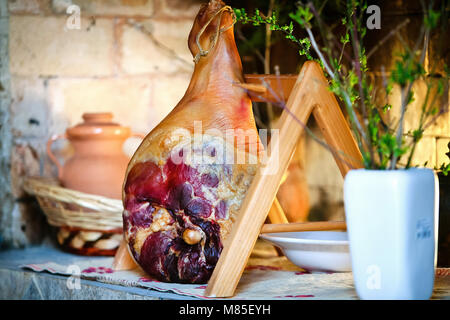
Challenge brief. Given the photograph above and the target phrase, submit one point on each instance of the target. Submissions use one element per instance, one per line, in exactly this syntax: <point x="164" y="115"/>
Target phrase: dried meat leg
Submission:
<point x="185" y="183"/>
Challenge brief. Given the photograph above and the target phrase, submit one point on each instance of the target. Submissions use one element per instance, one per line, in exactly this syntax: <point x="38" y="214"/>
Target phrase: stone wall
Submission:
<point x="119" y="58"/>
<point x="6" y="197"/>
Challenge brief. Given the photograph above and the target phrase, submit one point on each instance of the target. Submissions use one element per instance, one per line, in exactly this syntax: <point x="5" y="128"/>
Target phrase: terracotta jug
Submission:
<point x="98" y="165"/>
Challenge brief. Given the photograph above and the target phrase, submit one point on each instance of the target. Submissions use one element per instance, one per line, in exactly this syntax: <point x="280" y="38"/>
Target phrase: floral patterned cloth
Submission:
<point x="257" y="282"/>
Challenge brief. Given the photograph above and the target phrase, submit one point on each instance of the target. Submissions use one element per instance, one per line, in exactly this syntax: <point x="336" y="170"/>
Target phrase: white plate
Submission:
<point x="314" y="250"/>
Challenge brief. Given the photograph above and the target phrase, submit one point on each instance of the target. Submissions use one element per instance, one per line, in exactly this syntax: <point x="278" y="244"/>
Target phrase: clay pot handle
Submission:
<point x="52" y="156"/>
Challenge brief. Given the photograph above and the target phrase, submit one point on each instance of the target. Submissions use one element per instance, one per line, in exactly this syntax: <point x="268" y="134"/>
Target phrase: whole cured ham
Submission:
<point x="186" y="182"/>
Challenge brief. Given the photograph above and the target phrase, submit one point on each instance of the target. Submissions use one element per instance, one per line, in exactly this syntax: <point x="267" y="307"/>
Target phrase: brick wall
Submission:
<point x="124" y="54"/>
<point x="432" y="148"/>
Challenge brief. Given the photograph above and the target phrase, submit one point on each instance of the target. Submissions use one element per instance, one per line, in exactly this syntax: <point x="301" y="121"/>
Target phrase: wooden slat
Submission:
<point x="304" y="226"/>
<point x="335" y="129"/>
<point x="280" y="85"/>
<point x="276" y="213"/>
<point x="310" y="91"/>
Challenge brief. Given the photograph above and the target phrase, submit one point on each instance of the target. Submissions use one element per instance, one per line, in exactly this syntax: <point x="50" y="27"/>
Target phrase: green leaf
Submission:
<point x="417" y="134"/>
<point x="302" y="16"/>
<point x="241" y="15"/>
<point x="345" y="39"/>
<point x="444" y="168"/>
<point x="434" y="111"/>
<point x="440" y="87"/>
<point x="410" y="97"/>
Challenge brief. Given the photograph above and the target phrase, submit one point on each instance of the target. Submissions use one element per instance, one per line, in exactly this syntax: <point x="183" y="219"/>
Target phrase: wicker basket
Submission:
<point x="88" y="224"/>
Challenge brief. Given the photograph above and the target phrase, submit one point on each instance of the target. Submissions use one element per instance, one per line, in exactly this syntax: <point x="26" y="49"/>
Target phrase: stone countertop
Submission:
<point x="18" y="283"/>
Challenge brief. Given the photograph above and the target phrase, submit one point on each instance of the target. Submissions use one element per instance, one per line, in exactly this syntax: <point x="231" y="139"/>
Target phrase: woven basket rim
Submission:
<point x="46" y="187"/>
<point x="65" y="207"/>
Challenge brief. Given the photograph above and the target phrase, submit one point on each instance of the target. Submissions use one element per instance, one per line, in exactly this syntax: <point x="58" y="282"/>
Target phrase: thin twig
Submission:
<point x="387" y="37"/>
<point x="346" y="97"/>
<point x="268" y="43"/>
<point x="140" y="27"/>
<point x="422" y="115"/>
<point x="329" y="34"/>
<point x="357" y="63"/>
<point x="406" y="92"/>
<point x="269" y="107"/>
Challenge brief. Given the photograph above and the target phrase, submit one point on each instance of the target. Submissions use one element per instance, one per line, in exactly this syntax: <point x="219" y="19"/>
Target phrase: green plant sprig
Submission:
<point x="444" y="168"/>
<point x="259" y="19"/>
<point x="382" y="144"/>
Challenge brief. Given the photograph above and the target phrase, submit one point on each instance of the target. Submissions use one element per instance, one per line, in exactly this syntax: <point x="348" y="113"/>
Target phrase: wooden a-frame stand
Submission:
<point x="308" y="94"/>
